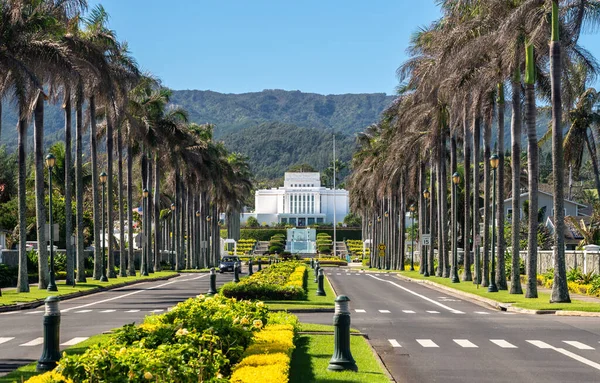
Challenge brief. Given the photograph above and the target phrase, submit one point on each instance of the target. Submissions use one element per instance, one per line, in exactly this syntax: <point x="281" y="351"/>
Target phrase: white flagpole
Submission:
<point x="334" y="220"/>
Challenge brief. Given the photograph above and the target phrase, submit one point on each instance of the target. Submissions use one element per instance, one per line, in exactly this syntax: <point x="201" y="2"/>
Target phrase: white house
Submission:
<point x="301" y="201"/>
<point x="545" y="201"/>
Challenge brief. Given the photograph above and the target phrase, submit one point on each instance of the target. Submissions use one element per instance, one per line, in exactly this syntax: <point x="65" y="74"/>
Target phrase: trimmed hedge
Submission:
<point x="281" y="281"/>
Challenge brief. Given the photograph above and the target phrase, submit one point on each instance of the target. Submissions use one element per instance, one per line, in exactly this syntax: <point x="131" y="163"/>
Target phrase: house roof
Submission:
<point x="525" y="194"/>
<point x="571" y="232"/>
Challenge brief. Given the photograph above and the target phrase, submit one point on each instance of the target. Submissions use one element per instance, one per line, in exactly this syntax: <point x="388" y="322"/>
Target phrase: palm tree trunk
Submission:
<point x="432" y="218"/>
<point x="70" y="280"/>
<point x="176" y="229"/>
<point x="79" y="185"/>
<point x="109" y="194"/>
<point x="454" y="203"/>
<point x="560" y="291"/>
<point x="40" y="192"/>
<point x="130" y="253"/>
<point x="157" y="239"/>
<point x="122" y="262"/>
<point x="515" y="133"/>
<point x="444" y="207"/>
<point x="532" y="169"/>
<point x="500" y="265"/>
<point x="144" y="241"/>
<point x="476" y="211"/>
<point x="487" y="135"/>
<point x="467" y="276"/>
<point x="422" y="220"/>
<point x="95" y="192"/>
<point x="150" y="207"/>
<point x="22" y="279"/>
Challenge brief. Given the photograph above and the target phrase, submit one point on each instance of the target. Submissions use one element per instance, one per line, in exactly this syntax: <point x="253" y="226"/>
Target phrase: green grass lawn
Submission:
<point x="10" y="296"/>
<point x="25" y="372"/>
<point x="540" y="303"/>
<point x="313" y="301"/>
<point x="313" y="327"/>
<point x="313" y="352"/>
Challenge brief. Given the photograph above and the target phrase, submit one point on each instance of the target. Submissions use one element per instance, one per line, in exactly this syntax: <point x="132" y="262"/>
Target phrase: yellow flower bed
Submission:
<point x="49" y="377"/>
<point x="268" y="359"/>
<point x="297" y="277"/>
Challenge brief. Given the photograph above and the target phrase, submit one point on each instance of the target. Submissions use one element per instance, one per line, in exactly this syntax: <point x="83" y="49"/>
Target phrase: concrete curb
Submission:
<point x="498" y="305"/>
<point x="34" y="304"/>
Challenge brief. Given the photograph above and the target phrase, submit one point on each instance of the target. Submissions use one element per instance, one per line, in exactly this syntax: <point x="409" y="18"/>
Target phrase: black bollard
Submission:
<point x="342" y="357"/>
<point x="312" y="263"/>
<point x="259" y="264"/>
<point x="270" y="261"/>
<point x="317" y="268"/>
<point x="250" y="267"/>
<point x="212" y="290"/>
<point x="320" y="290"/>
<point x="236" y="272"/>
<point x="51" y="351"/>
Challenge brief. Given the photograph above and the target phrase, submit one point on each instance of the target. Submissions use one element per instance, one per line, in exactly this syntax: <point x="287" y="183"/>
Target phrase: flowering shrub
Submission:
<point x="49" y="377"/>
<point x="268" y="358"/>
<point x="198" y="340"/>
<point x="281" y="281"/>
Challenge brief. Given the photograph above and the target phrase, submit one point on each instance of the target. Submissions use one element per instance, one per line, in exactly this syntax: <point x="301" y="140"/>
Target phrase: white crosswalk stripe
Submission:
<point x="502" y="343"/>
<point x="360" y="310"/>
<point x="578" y="345"/>
<point x="540" y="344"/>
<point x="384" y="311"/>
<point x="464" y="343"/>
<point x="394" y="343"/>
<point x="428" y="343"/>
<point x="35" y="342"/>
<point x="77" y="339"/>
<point x="6" y="339"/>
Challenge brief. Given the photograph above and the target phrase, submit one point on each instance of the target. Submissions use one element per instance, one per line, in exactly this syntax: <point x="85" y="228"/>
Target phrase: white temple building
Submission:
<point x="302" y="201"/>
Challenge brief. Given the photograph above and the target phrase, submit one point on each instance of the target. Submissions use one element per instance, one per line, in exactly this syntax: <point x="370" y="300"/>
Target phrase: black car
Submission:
<point x="228" y="263"/>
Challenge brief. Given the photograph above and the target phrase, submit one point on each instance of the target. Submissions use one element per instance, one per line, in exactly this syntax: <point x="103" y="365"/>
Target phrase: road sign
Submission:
<point x="477" y="240"/>
<point x="381" y="246"/>
<point x="426" y="239"/>
<point x="382" y="253"/>
<point x="55" y="232"/>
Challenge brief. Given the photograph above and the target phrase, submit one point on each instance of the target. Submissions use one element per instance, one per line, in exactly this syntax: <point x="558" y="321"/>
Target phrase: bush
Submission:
<point x="281" y="281"/>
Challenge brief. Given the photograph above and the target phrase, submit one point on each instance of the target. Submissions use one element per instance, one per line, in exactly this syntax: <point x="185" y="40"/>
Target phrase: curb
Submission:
<point x="38" y="303"/>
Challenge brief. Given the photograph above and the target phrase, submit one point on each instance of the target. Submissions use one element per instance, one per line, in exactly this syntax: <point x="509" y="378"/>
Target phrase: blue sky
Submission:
<point x="236" y="46"/>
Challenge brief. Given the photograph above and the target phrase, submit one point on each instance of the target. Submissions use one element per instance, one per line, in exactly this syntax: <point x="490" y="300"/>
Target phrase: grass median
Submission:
<point x="25" y="372"/>
<point x="503" y="296"/>
<point x="11" y="296"/>
<point x="313" y="302"/>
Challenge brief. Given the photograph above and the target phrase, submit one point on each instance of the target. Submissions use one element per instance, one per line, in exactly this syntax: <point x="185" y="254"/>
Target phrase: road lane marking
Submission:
<point x="35" y="342"/>
<point x="338" y="274"/>
<point x="82" y="311"/>
<point x="157" y="311"/>
<point x="9" y="313"/>
<point x="408" y="311"/>
<point x="428" y="343"/>
<point x="433" y="312"/>
<point x="132" y="311"/>
<point x="108" y="311"/>
<point x="384" y="311"/>
<point x="360" y="310"/>
<point x="482" y="313"/>
<point x="540" y="344"/>
<point x="77" y="339"/>
<point x="132" y="293"/>
<point x="418" y="295"/>
<point x="456" y="312"/>
<point x="34" y="312"/>
<point x="394" y="343"/>
<point x="502" y="343"/>
<point x="464" y="343"/>
<point x="579" y="345"/>
<point x="6" y="339"/>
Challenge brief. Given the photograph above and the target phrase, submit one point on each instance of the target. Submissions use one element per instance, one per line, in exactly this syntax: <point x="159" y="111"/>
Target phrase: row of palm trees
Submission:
<point x="462" y="71"/>
<point x="55" y="51"/>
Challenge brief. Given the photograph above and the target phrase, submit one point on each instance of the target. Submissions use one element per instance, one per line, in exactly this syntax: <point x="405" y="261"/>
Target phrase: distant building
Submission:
<point x="545" y="201"/>
<point x="302" y="201"/>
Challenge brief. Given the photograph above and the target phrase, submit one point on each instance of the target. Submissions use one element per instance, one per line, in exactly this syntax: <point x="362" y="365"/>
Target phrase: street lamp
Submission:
<point x="425" y="266"/>
<point x="196" y="259"/>
<point x="492" y="288"/>
<point x="454" y="271"/>
<point x="145" y="231"/>
<point x="412" y="237"/>
<point x="103" y="178"/>
<point x="171" y="255"/>
<point x="50" y="161"/>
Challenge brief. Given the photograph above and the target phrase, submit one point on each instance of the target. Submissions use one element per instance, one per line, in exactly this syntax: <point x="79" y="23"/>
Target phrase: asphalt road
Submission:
<point x="21" y="332"/>
<point x="425" y="335"/>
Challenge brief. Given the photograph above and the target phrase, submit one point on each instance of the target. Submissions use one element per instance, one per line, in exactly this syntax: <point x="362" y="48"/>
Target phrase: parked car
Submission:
<point x="228" y="263"/>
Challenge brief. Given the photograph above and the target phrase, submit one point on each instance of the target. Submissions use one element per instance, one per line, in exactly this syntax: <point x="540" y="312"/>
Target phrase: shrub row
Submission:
<point x="199" y="340"/>
<point x="277" y="282"/>
<point x="268" y="358"/>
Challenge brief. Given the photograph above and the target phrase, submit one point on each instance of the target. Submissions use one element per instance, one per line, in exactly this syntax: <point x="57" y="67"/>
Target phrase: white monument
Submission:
<point x="302" y="201"/>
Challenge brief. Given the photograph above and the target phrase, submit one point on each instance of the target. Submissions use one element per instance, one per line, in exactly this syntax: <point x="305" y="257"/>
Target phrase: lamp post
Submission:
<point x="208" y="237"/>
<point x="412" y="237"/>
<point x="50" y="161"/>
<point x="103" y="178"/>
<point x="196" y="258"/>
<point x="380" y="235"/>
<point x="454" y="271"/>
<point x="171" y="255"/>
<point x="144" y="270"/>
<point x="385" y="233"/>
<point x="425" y="261"/>
<point x="492" y="288"/>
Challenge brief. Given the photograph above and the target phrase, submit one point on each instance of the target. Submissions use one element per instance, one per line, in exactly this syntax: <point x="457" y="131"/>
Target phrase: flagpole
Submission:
<point x="334" y="220"/>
